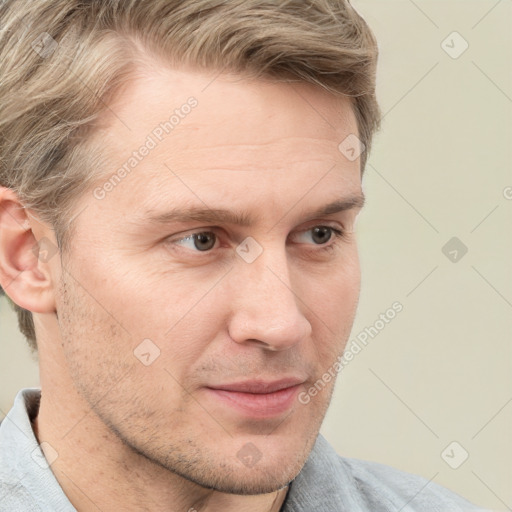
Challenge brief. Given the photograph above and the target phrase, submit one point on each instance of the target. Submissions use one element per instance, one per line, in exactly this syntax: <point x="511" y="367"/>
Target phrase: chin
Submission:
<point x="259" y="465"/>
<point x="248" y="481"/>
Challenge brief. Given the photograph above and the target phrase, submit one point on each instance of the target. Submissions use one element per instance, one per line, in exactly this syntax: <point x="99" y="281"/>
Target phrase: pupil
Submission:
<point x="322" y="233"/>
<point x="204" y="241"/>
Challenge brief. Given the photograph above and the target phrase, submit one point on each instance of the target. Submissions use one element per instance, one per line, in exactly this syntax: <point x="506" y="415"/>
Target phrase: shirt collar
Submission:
<point x="24" y="470"/>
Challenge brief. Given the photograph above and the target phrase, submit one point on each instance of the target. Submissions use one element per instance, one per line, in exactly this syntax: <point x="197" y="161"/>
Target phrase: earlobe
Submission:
<point x="26" y="252"/>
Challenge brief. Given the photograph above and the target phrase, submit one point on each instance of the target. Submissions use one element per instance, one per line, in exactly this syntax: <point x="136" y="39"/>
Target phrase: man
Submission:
<point x="180" y="186"/>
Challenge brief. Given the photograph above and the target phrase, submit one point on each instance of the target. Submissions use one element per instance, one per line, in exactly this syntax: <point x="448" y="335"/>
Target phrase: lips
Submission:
<point x="258" y="398"/>
<point x="259" y="386"/>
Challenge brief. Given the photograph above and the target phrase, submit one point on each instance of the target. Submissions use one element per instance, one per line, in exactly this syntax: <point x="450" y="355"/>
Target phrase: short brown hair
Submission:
<point x="62" y="60"/>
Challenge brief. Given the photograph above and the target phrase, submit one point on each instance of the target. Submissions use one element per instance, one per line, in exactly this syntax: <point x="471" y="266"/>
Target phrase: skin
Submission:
<point x="153" y="437"/>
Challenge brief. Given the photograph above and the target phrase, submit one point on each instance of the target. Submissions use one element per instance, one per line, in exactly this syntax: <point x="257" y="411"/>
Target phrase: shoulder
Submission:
<point x="13" y="496"/>
<point x="14" y="445"/>
<point x="330" y="482"/>
<point x="384" y="488"/>
<point x="26" y="481"/>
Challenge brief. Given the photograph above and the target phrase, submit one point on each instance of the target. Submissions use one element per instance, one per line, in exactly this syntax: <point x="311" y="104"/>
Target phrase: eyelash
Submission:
<point x="340" y="235"/>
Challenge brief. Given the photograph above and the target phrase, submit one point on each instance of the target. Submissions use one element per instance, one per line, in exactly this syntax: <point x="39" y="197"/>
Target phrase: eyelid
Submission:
<point x="325" y="223"/>
<point x="190" y="234"/>
<point x="339" y="233"/>
<point x="215" y="229"/>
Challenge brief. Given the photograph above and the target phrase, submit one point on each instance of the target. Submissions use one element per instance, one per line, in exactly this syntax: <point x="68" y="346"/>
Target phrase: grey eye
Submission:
<point x="204" y="241"/>
<point x="321" y="234"/>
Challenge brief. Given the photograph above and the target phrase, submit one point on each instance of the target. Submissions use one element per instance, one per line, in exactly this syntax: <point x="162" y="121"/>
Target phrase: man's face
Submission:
<point x="155" y="321"/>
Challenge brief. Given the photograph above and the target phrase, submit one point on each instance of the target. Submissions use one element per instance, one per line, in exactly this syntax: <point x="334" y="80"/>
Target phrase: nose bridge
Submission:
<point x="266" y="307"/>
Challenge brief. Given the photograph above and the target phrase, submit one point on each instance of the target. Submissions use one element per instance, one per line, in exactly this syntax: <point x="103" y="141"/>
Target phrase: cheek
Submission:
<point x="133" y="312"/>
<point x="333" y="293"/>
<point x="143" y="301"/>
<point x="332" y="304"/>
<point x="90" y="341"/>
<point x="108" y="368"/>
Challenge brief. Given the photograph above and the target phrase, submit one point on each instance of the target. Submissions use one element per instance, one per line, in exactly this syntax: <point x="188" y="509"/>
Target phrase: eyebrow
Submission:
<point x="222" y="216"/>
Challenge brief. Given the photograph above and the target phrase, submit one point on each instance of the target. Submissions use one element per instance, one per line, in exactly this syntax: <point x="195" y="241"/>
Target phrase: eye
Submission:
<point x="205" y="241"/>
<point x="202" y="241"/>
<point x="320" y="235"/>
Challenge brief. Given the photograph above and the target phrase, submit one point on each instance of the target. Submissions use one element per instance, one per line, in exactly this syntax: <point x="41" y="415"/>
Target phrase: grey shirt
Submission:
<point x="326" y="483"/>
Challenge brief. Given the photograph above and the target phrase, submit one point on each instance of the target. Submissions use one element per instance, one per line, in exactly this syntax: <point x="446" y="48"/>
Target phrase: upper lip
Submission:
<point x="259" y="386"/>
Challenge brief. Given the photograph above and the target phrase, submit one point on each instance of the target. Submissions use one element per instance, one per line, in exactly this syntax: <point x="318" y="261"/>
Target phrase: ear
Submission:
<point x="26" y="248"/>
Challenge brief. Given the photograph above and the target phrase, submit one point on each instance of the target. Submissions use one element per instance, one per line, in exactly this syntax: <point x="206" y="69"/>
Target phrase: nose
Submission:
<point x="266" y="308"/>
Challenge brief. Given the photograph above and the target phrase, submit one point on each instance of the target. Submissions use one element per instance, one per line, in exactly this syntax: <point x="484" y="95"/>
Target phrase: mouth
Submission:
<point x="257" y="398"/>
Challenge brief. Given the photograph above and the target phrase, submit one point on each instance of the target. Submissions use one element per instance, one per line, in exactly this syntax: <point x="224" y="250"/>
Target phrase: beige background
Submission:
<point x="441" y="370"/>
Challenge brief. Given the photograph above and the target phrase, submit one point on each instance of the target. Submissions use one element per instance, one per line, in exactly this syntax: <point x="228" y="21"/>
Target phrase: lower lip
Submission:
<point x="259" y="405"/>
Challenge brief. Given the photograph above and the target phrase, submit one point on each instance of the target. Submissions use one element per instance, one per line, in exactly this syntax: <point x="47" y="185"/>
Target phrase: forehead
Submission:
<point x="229" y="108"/>
<point x="214" y="130"/>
